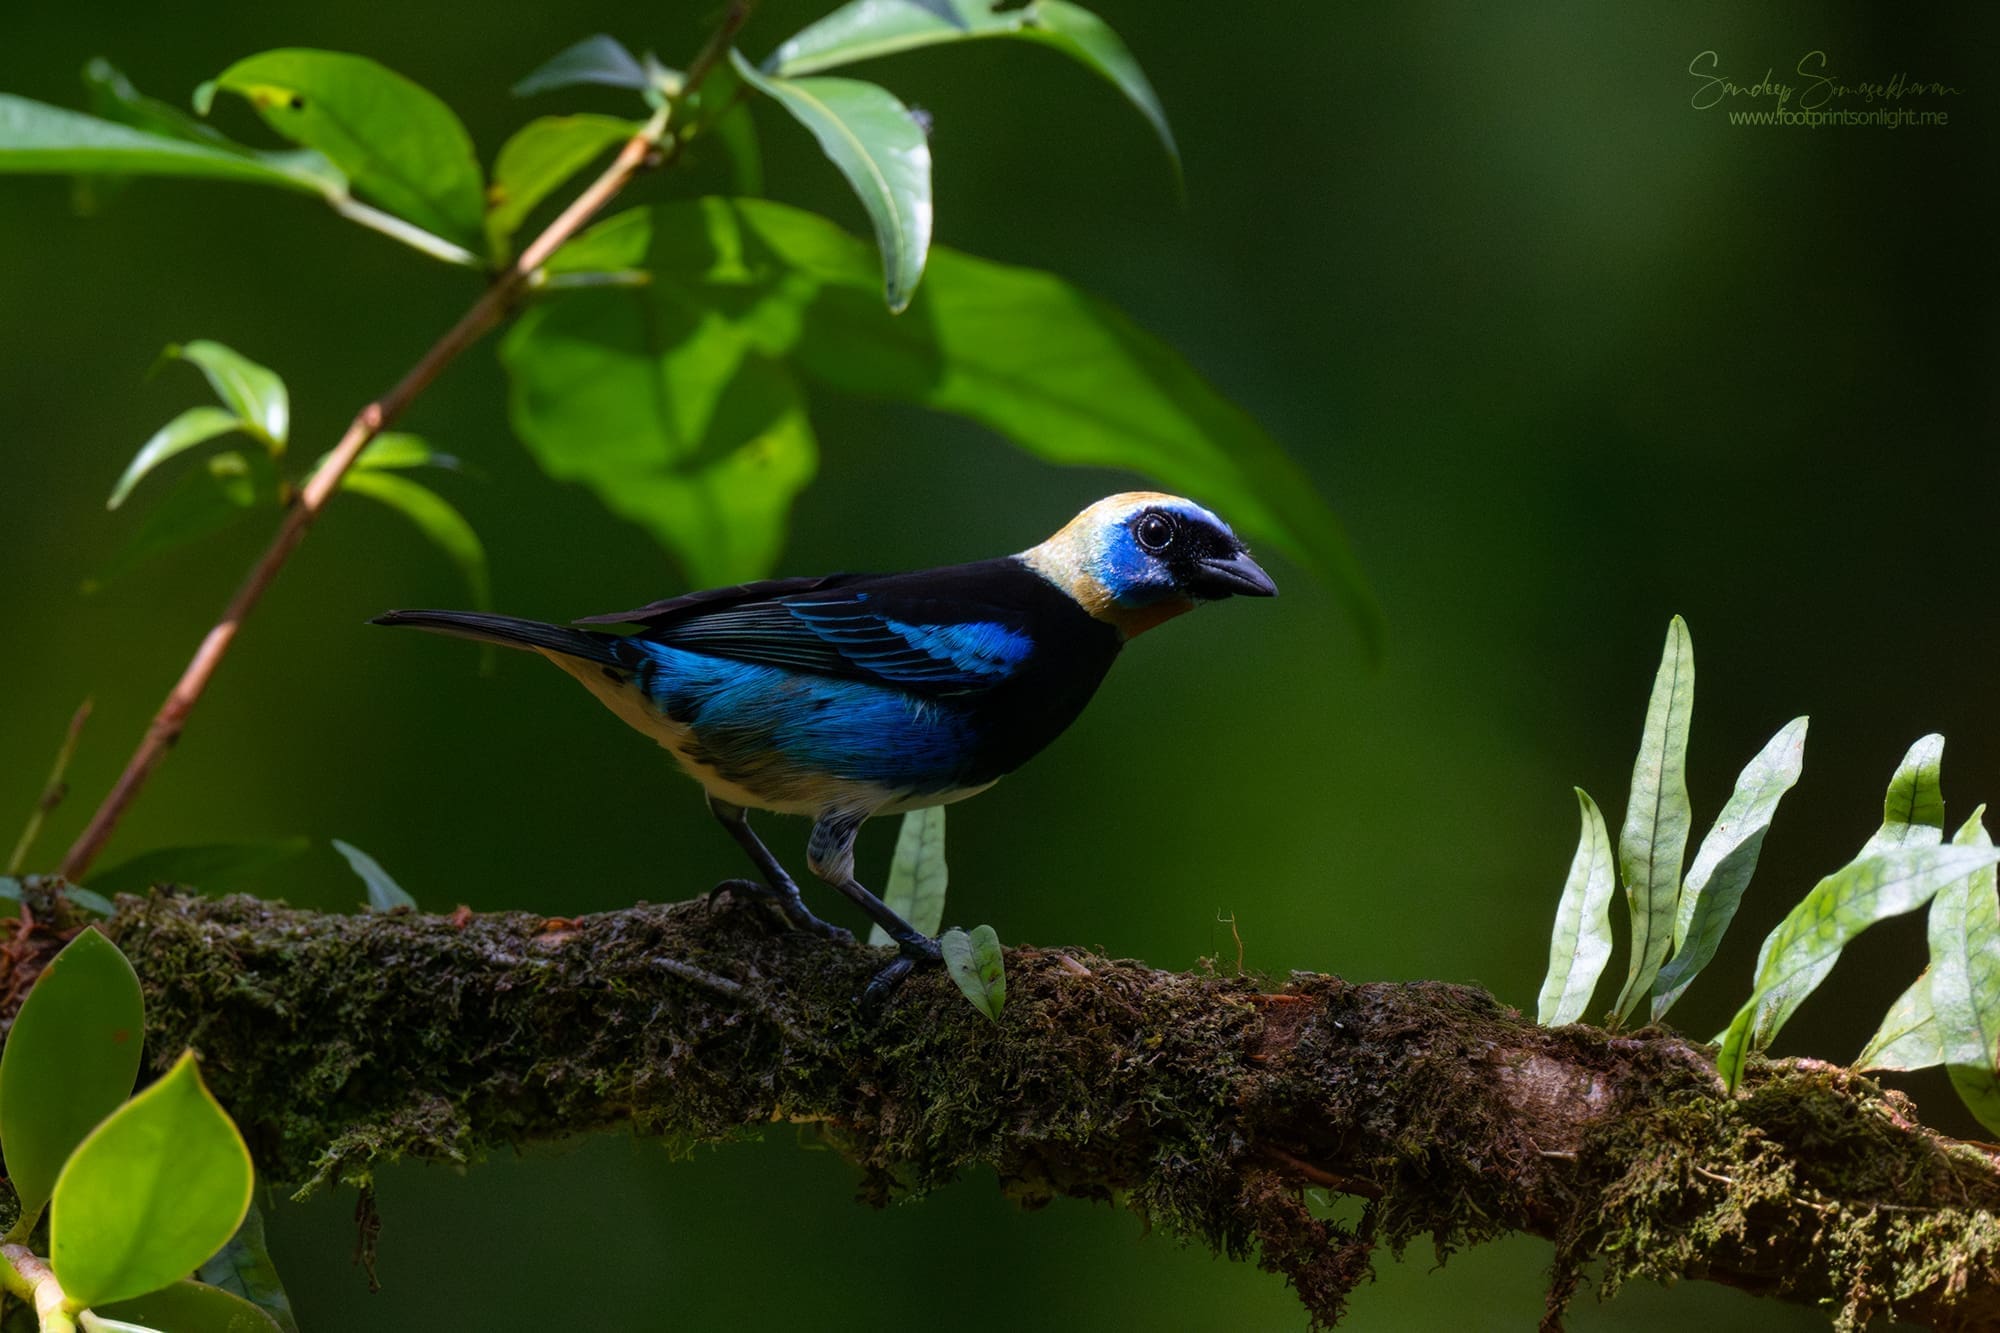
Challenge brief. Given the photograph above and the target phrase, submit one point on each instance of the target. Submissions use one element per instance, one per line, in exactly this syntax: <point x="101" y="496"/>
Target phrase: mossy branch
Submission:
<point x="1206" y="1103"/>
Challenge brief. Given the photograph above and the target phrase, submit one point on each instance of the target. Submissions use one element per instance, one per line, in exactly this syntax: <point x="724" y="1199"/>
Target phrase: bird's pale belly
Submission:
<point x="770" y="740"/>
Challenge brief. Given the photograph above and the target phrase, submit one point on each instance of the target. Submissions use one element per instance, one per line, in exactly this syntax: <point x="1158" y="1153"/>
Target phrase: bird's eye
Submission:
<point x="1155" y="532"/>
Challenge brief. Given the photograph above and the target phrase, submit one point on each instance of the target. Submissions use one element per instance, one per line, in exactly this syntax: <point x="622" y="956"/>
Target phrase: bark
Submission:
<point x="1218" y="1108"/>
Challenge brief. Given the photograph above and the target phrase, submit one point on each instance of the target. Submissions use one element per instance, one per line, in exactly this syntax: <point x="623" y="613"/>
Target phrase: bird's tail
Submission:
<point x="511" y="632"/>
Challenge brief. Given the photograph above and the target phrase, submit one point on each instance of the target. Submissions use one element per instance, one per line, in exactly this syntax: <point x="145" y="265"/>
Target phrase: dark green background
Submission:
<point x="1567" y="355"/>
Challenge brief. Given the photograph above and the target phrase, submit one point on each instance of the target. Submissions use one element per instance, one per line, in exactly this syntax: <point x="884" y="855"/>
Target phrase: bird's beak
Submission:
<point x="1231" y="576"/>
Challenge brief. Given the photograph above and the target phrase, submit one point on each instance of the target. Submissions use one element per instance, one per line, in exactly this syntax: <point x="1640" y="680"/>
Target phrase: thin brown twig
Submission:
<point x="643" y="150"/>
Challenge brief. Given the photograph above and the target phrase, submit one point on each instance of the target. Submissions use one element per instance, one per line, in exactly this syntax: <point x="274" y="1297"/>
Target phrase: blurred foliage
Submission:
<point x="1568" y="354"/>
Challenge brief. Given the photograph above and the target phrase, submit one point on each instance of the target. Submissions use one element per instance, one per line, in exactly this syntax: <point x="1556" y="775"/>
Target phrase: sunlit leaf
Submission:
<point x="1726" y="860"/>
<point x="433" y="516"/>
<point x="254" y="393"/>
<point x="212" y="867"/>
<point x="918" y="876"/>
<point x="541" y="156"/>
<point x="197" y="425"/>
<point x="1657" y="818"/>
<point x="398" y="144"/>
<point x="243" y="1268"/>
<point x="1804" y="947"/>
<point x="69" y="1061"/>
<point x="1908" y="1038"/>
<point x="866" y="29"/>
<point x="1964" y="979"/>
<point x="384" y="893"/>
<point x="154" y="1190"/>
<point x="1059" y="373"/>
<point x="1580" y="944"/>
<point x="193" y="1307"/>
<point x="46" y="140"/>
<point x="598" y="59"/>
<point x="399" y="449"/>
<point x="670" y="417"/>
<point x="1913" y="809"/>
<point x="978" y="967"/>
<point x="883" y="152"/>
<point x="200" y="504"/>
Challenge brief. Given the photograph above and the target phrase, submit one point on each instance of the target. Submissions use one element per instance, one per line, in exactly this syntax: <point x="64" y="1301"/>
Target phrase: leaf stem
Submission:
<point x="650" y="147"/>
<point x="409" y="234"/>
<point x="27" y="1275"/>
<point x="52" y="793"/>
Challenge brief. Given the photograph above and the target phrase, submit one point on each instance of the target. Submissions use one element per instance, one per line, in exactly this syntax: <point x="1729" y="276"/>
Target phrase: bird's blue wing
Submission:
<point x="909" y="643"/>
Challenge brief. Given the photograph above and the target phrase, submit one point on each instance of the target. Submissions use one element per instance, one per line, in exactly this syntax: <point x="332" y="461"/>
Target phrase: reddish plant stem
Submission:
<point x="641" y="151"/>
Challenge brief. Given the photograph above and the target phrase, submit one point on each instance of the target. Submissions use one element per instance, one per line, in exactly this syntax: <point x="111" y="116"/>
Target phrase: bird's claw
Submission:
<point x="911" y="953"/>
<point x="795" y="911"/>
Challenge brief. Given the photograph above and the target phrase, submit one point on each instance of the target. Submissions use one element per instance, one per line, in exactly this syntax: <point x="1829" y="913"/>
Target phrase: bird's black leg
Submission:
<point x="777" y="886"/>
<point x="830" y="853"/>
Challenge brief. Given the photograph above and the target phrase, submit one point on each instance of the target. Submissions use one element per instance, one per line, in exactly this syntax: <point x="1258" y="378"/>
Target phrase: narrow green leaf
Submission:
<point x="918" y="874"/>
<point x="200" y="504"/>
<point x="1657" y="818"/>
<point x="194" y="1307"/>
<point x="1804" y="947"/>
<point x="670" y="418"/>
<point x="1062" y="375"/>
<point x="599" y="59"/>
<point x="1580" y="944"/>
<point x="398" y="144"/>
<point x="433" y="516"/>
<point x="45" y="140"/>
<point x="254" y="393"/>
<point x="245" y="867"/>
<point x="978" y="967"/>
<point x="155" y="1190"/>
<point x="1964" y="978"/>
<point x="384" y="893"/>
<point x="882" y="151"/>
<point x="243" y="1268"/>
<point x="541" y="156"/>
<point x="397" y="450"/>
<point x="197" y="425"/>
<point x="1908" y="1038"/>
<point x="69" y="1061"/>
<point x="1913" y="808"/>
<point x="88" y="901"/>
<point x="1726" y="860"/>
<point x="10" y="888"/>
<point x="866" y="29"/>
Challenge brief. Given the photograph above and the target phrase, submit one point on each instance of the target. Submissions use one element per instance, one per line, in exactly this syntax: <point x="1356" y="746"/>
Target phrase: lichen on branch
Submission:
<point x="1207" y="1103"/>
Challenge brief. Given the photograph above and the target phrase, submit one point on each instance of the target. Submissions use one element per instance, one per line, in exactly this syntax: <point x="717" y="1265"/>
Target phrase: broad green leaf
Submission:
<point x="197" y="425"/>
<point x="155" y="1190"/>
<point x="69" y="1061"/>
<point x="243" y="1268"/>
<point x="1964" y="979"/>
<point x="254" y="393"/>
<point x="202" y="503"/>
<point x="882" y="151"/>
<point x="1580" y="944"/>
<point x="540" y="157"/>
<point x="211" y="867"/>
<point x="1062" y="375"/>
<point x="194" y="1307"/>
<point x="1804" y="947"/>
<point x="978" y="967"/>
<point x="866" y="29"/>
<point x="398" y="144"/>
<point x="599" y="59"/>
<point x="918" y="875"/>
<point x="670" y="417"/>
<point x="1726" y="860"/>
<point x="1908" y="1037"/>
<point x="1657" y="818"/>
<point x="384" y="893"/>
<point x="1913" y="808"/>
<point x="433" y="516"/>
<point x="46" y="140"/>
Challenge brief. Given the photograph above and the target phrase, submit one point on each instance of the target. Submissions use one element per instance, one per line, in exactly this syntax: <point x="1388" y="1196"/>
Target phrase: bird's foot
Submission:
<point x="913" y="951"/>
<point x="789" y="903"/>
